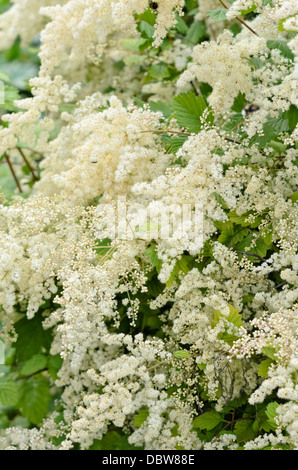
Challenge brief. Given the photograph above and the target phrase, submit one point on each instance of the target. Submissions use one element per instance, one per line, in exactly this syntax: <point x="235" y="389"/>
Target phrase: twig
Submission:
<point x="167" y="131"/>
<point x="13" y="173"/>
<point x="28" y="164"/>
<point x="31" y="375"/>
<point x="232" y="140"/>
<point x="230" y="423"/>
<point x="250" y="254"/>
<point x="241" y="20"/>
<point x="280" y="285"/>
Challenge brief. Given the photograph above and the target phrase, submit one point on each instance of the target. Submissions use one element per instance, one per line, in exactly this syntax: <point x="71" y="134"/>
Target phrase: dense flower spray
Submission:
<point x="148" y="280"/>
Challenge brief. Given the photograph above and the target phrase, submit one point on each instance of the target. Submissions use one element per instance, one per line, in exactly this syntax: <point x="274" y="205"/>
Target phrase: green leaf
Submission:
<point x="267" y="235"/>
<point x="238" y="219"/>
<point x="269" y="352"/>
<point x="7" y="183"/>
<point x="245" y="430"/>
<point x="292" y="115"/>
<point x="152" y="253"/>
<point x="159" y="106"/>
<point x="9" y="392"/>
<point x="238" y="236"/>
<point x="180" y="25"/>
<point x="113" y="440"/>
<point x="96" y="445"/>
<point x="146" y="30"/>
<point x="181" y="354"/>
<point x="227" y="233"/>
<point x="253" y="7"/>
<point x="34" y="399"/>
<point x="10" y="95"/>
<point x="155" y="287"/>
<point x="32" y="338"/>
<point x="175" y="143"/>
<point x="148" y="16"/>
<point x="34" y="364"/>
<point x="235" y="120"/>
<point x="239" y="103"/>
<point x="235" y="318"/>
<point x="208" y="420"/>
<point x="181" y="266"/>
<point x="253" y="245"/>
<point x="261" y="247"/>
<point x="103" y="246"/>
<point x="220" y="200"/>
<point x="196" y="32"/>
<point x="4" y="422"/>
<point x="282" y="46"/>
<point x="294" y="196"/>
<point x="159" y="71"/>
<point x="188" y="109"/>
<point x="54" y="364"/>
<point x="141" y="417"/>
<point x="271" y="413"/>
<point x="279" y="147"/>
<point x="220" y="14"/>
<point x="134" y="59"/>
<point x="264" y="367"/>
<point x="133" y="44"/>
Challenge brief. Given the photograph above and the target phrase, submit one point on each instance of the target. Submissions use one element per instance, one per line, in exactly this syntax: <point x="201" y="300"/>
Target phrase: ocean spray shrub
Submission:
<point x="122" y="333"/>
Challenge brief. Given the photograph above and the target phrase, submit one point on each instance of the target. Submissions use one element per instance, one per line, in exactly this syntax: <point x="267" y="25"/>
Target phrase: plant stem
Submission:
<point x="13" y="173"/>
<point x="167" y="131"/>
<point x="23" y="377"/>
<point x="250" y="254"/>
<point x="28" y="164"/>
<point x="241" y="20"/>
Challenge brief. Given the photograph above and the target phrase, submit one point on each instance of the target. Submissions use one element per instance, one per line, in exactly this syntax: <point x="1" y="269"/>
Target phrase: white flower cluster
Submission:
<point x="223" y="311"/>
<point x="225" y="66"/>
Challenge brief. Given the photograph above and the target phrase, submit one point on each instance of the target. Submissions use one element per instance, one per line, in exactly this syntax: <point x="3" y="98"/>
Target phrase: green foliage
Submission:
<point x="27" y="390"/>
<point x="264" y="367"/>
<point x="272" y="414"/>
<point x="269" y="352"/>
<point x="141" y="417"/>
<point x="234" y="319"/>
<point x="9" y="392"/>
<point x="113" y="440"/>
<point x="181" y="354"/>
<point x="34" y="398"/>
<point x="282" y="47"/>
<point x="218" y="15"/>
<point x="188" y="110"/>
<point x="10" y="95"/>
<point x="32" y="338"/>
<point x="35" y="364"/>
<point x="246" y="430"/>
<point x="208" y="420"/>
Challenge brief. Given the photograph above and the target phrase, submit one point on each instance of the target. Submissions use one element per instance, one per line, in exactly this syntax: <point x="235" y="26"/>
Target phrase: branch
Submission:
<point x="13" y="172"/>
<point x="31" y="375"/>
<point x="250" y="254"/>
<point x="241" y="20"/>
<point x="167" y="131"/>
<point x="28" y="164"/>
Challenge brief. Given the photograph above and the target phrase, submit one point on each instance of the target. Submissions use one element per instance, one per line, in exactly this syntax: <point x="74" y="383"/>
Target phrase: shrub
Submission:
<point x="149" y="226"/>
